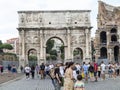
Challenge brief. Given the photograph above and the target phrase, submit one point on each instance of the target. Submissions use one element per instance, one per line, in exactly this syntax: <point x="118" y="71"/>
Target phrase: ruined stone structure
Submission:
<point x="108" y="33"/>
<point x="35" y="28"/>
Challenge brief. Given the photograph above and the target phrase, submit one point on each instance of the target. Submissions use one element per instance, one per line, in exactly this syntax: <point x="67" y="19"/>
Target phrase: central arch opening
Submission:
<point x="32" y="57"/>
<point x="78" y="55"/>
<point x="54" y="50"/>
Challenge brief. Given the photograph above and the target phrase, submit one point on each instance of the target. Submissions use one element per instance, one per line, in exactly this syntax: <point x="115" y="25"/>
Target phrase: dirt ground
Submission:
<point x="5" y="77"/>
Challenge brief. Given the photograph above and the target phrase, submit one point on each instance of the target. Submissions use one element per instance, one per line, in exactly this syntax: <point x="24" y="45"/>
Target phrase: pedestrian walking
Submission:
<point x="91" y="72"/>
<point x="33" y="71"/>
<point x="14" y="70"/>
<point x="103" y="67"/>
<point x="27" y="71"/>
<point x="69" y="80"/>
<point x="42" y="71"/>
<point x="58" y="78"/>
<point x="37" y="69"/>
<point x="95" y="70"/>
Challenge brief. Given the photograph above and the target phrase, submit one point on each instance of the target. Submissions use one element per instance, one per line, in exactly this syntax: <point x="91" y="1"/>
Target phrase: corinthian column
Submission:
<point x="42" y="51"/>
<point x="69" y="49"/>
<point x="22" y="48"/>
<point x="87" y="44"/>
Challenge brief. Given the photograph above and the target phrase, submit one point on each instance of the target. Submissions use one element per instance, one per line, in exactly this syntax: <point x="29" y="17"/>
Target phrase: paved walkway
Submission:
<point x="37" y="84"/>
<point x="8" y="76"/>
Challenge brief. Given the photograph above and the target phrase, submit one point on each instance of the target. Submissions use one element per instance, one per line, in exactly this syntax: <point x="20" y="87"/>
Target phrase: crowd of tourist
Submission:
<point x="72" y="76"/>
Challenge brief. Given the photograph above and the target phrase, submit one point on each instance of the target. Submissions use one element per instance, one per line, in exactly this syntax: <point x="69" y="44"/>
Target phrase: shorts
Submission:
<point x="95" y="73"/>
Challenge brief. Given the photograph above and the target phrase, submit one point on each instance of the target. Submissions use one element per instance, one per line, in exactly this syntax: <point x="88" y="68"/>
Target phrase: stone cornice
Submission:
<point x="54" y="11"/>
<point x="52" y="28"/>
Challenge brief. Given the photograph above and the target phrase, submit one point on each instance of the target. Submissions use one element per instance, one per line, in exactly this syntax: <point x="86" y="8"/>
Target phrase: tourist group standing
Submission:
<point x="72" y="76"/>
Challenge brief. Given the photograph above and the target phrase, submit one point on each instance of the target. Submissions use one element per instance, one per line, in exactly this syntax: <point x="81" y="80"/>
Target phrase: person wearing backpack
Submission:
<point x="91" y="72"/>
<point x="58" y="78"/>
<point x="42" y="71"/>
<point x="52" y="75"/>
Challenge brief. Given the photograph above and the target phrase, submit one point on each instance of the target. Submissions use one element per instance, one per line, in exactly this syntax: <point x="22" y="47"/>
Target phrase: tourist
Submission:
<point x="85" y="68"/>
<point x="79" y="85"/>
<point x="52" y="75"/>
<point x="99" y="71"/>
<point x="42" y="71"/>
<point x="91" y="72"/>
<point x="68" y="79"/>
<point x="62" y="72"/>
<point x="14" y="70"/>
<point x="58" y="78"/>
<point x="9" y="68"/>
<point x="95" y="70"/>
<point x="37" y="68"/>
<point x="33" y="71"/>
<point x="103" y="67"/>
<point x="110" y="71"/>
<point x="47" y="70"/>
<point x="1" y="69"/>
<point x="27" y="71"/>
<point x="114" y="70"/>
<point x="21" y="68"/>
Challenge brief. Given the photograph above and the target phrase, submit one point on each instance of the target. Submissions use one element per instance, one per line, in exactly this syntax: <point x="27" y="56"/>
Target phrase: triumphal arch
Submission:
<point x="72" y="27"/>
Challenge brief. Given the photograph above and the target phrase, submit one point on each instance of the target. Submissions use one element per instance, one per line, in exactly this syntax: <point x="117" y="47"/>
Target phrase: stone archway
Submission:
<point x="37" y="27"/>
<point x="57" y="50"/>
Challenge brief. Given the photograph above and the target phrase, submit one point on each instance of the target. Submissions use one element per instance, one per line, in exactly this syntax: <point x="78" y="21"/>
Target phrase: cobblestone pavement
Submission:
<point x="37" y="84"/>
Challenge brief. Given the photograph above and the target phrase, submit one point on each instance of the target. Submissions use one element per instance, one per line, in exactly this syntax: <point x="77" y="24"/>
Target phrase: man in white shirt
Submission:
<point x="27" y="71"/>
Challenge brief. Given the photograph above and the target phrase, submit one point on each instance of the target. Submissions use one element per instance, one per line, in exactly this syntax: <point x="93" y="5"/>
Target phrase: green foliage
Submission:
<point x="53" y="57"/>
<point x="76" y="52"/>
<point x="62" y="56"/>
<point x="1" y="49"/>
<point x="0" y="42"/>
<point x="53" y="52"/>
<point x="7" y="46"/>
<point x="50" y="45"/>
<point x="32" y="58"/>
<point x="62" y="49"/>
<point x="48" y="58"/>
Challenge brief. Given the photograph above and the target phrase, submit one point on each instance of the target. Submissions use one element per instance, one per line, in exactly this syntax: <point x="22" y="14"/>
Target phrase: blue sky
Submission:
<point x="9" y="8"/>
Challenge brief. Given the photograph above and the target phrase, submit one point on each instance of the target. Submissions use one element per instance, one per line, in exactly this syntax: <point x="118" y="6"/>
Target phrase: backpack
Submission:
<point x="42" y="67"/>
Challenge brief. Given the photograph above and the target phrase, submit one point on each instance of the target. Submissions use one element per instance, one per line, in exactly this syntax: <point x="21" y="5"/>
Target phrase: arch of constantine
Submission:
<point x="72" y="27"/>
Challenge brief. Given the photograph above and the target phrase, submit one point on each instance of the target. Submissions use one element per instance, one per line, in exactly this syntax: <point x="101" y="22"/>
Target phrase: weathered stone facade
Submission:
<point x="35" y="28"/>
<point x="108" y="33"/>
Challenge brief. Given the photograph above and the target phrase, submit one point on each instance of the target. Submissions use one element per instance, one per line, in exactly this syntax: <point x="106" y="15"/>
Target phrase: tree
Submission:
<point x="53" y="52"/>
<point x="62" y="49"/>
<point x="62" y="52"/>
<point x="1" y="47"/>
<point x="50" y="45"/>
<point x="32" y="58"/>
<point x="7" y="46"/>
